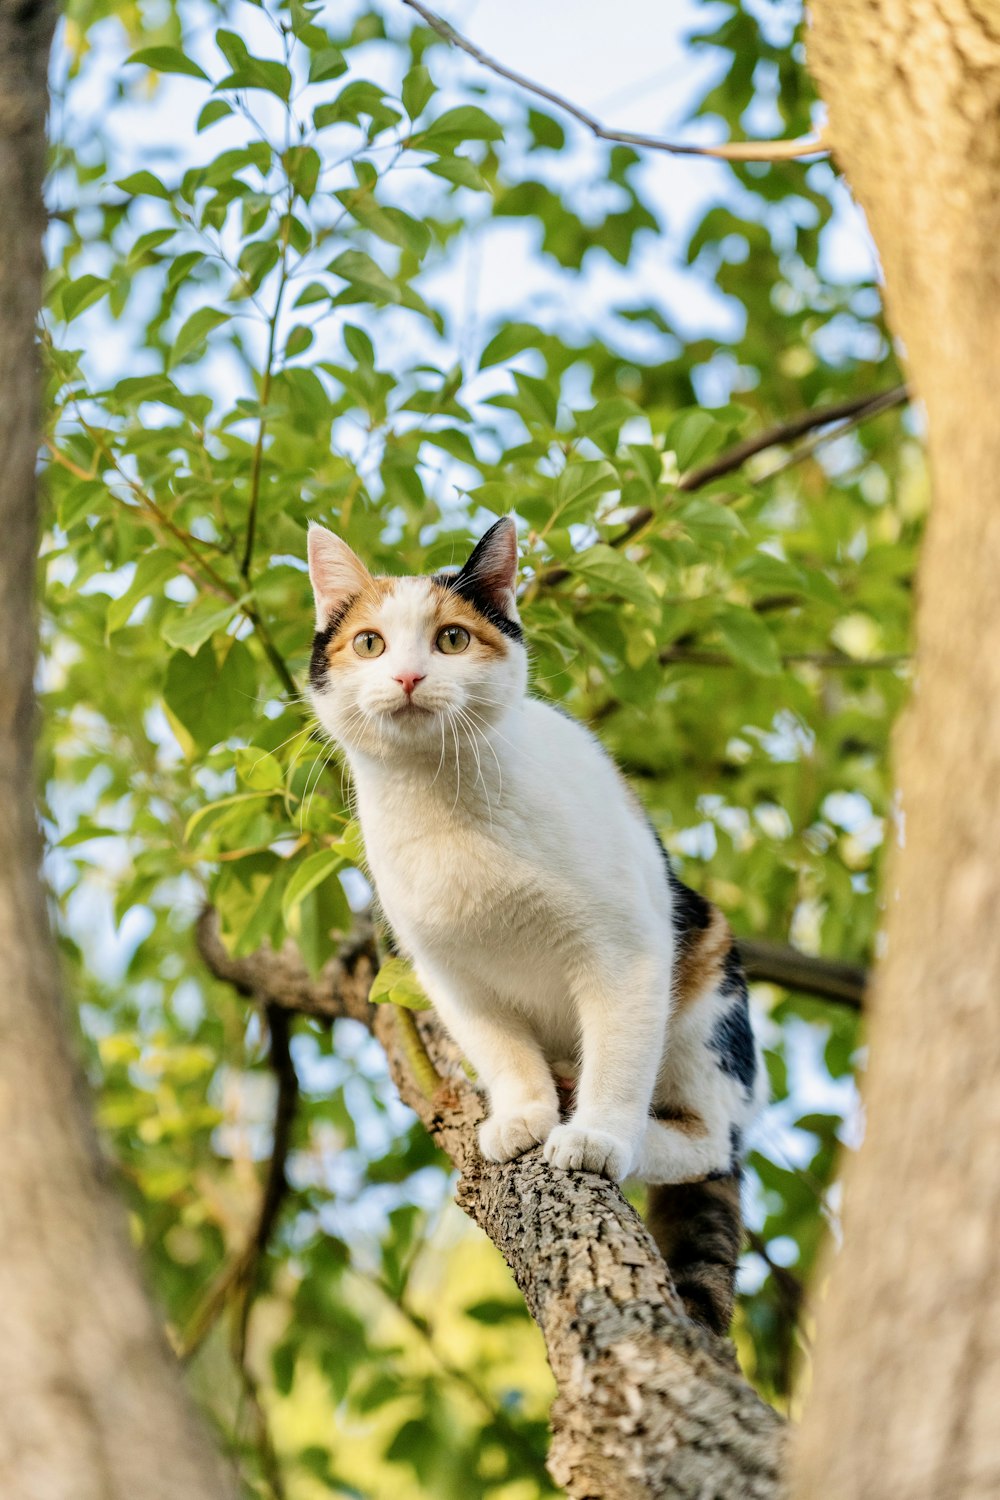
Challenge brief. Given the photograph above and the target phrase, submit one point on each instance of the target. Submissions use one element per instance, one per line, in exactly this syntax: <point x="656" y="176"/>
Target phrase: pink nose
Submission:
<point x="409" y="680"/>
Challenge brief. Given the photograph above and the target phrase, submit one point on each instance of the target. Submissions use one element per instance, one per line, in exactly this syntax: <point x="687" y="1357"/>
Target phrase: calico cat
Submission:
<point x="523" y="880"/>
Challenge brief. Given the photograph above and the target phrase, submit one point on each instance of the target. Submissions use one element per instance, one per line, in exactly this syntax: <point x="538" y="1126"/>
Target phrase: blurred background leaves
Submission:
<point x="308" y="263"/>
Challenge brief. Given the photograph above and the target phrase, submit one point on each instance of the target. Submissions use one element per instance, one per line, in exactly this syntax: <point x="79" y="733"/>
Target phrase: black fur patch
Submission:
<point x="734" y="981"/>
<point x="735" y="1155"/>
<point x="691" y="912"/>
<point x="317" y="662"/>
<point x="732" y="1041"/>
<point x="465" y="587"/>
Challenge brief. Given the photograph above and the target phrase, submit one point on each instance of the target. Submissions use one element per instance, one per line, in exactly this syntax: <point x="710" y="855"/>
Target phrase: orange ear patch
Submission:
<point x="699" y="966"/>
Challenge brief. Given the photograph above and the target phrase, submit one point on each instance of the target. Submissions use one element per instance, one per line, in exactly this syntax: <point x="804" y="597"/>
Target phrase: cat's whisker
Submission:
<point x="440" y="763"/>
<point x="470" y="729"/>
<point x="492" y="749"/>
<point x="458" y="759"/>
<point x="323" y="765"/>
<point x="477" y="734"/>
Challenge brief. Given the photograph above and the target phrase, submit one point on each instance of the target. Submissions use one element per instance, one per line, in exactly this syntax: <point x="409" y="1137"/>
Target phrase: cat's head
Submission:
<point x="397" y="661"/>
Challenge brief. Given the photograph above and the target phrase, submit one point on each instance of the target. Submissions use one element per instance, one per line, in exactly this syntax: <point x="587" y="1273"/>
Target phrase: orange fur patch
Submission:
<point x="449" y="609"/>
<point x="452" y="609"/>
<point x="360" y="616"/>
<point x="687" y="1121"/>
<point x="699" y="966"/>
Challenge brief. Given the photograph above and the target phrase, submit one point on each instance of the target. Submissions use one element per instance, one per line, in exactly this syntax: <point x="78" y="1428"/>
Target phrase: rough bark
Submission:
<point x="648" y="1405"/>
<point x="91" y="1404"/>
<point x="907" y="1377"/>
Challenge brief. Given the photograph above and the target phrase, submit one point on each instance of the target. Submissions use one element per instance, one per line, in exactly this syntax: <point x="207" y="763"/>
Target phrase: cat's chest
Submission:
<point x="442" y="881"/>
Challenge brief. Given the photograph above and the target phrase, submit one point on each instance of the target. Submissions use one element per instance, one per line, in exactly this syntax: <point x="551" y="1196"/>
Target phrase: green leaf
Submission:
<point x="707" y="519"/>
<point x="460" y="171"/>
<point x="309" y="873"/>
<point x="361" y="271"/>
<point x="194" y="331"/>
<point x="694" y="436"/>
<point x="201" y="620"/>
<point x="326" y="64"/>
<point x="359" y="346"/>
<point x="512" y="339"/>
<point x="143" y="184"/>
<point x="303" y="166"/>
<point x="545" y="131"/>
<point x="579" y="487"/>
<point x="213" y="810"/>
<point x="259" y="769"/>
<point x="249" y="72"/>
<point x="748" y="641"/>
<point x="168" y="60"/>
<point x="467" y="122"/>
<point x="418" y="90"/>
<point x="396" y="982"/>
<point x="211" y="696"/>
<point x="214" y="110"/>
<point x="608" y="571"/>
<point x="78" y="295"/>
<point x="491" y="1311"/>
<point x="152" y="570"/>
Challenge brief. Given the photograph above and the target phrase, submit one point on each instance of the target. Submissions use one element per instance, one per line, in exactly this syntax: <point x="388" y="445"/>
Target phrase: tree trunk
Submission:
<point x="907" y="1383"/>
<point x="91" y="1403"/>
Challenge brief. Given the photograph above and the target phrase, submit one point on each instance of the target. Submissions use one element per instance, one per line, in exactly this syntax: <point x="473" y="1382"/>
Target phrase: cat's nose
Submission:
<point x="409" y="680"/>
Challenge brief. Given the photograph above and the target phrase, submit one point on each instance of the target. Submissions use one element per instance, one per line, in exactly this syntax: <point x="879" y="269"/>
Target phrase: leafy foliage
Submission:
<point x="257" y="326"/>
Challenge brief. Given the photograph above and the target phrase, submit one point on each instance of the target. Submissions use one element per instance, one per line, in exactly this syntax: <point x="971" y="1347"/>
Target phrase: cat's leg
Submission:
<point x="524" y="1105"/>
<point x="712" y="1086"/>
<point x="623" y="1010"/>
<point x="688" y="1145"/>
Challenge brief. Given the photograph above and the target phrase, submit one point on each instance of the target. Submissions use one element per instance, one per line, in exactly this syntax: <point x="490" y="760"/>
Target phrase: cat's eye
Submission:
<point x="453" y="639"/>
<point x="369" y="643"/>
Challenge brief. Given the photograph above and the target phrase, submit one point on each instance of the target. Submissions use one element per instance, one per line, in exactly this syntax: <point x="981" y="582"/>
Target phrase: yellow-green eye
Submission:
<point x="453" y="639"/>
<point x="369" y="643"/>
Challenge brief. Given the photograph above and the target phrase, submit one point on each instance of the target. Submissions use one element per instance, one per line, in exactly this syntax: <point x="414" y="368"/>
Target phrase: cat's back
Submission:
<point x="583" y="812"/>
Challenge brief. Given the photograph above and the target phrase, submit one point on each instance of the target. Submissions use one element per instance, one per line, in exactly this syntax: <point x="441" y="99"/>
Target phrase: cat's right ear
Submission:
<point x="335" y="572"/>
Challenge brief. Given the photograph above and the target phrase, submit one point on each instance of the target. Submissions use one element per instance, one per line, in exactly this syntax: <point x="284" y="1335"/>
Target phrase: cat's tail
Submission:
<point x="698" y="1227"/>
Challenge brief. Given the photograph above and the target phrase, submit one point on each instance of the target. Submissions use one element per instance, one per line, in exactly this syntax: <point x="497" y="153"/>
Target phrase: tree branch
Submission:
<point x="648" y="1403"/>
<point x="843" y="415"/>
<point x="829" y="978"/>
<point x="858" y="409"/>
<point x="237" y="1279"/>
<point x="743" y="151"/>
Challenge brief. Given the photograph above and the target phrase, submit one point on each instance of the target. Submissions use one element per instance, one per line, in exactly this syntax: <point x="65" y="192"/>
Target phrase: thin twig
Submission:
<point x="238" y="1277"/>
<point x="257" y="460"/>
<point x="743" y="151"/>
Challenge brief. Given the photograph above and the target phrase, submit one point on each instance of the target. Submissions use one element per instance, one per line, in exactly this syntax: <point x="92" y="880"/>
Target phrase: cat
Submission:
<point x="522" y="878"/>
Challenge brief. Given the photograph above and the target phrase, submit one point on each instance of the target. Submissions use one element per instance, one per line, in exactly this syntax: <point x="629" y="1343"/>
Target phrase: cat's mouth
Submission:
<point x="408" y="709"/>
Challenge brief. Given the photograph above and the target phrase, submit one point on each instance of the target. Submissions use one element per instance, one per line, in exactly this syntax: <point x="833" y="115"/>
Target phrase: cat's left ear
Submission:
<point x="491" y="572"/>
<point x="335" y="572"/>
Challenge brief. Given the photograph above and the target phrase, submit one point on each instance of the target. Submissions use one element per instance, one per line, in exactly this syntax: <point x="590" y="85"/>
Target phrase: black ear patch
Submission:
<point x="487" y="580"/>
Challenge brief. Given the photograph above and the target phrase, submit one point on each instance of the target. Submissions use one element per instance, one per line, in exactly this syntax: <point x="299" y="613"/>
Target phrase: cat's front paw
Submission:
<point x="577" y="1149"/>
<point x="502" y="1137"/>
